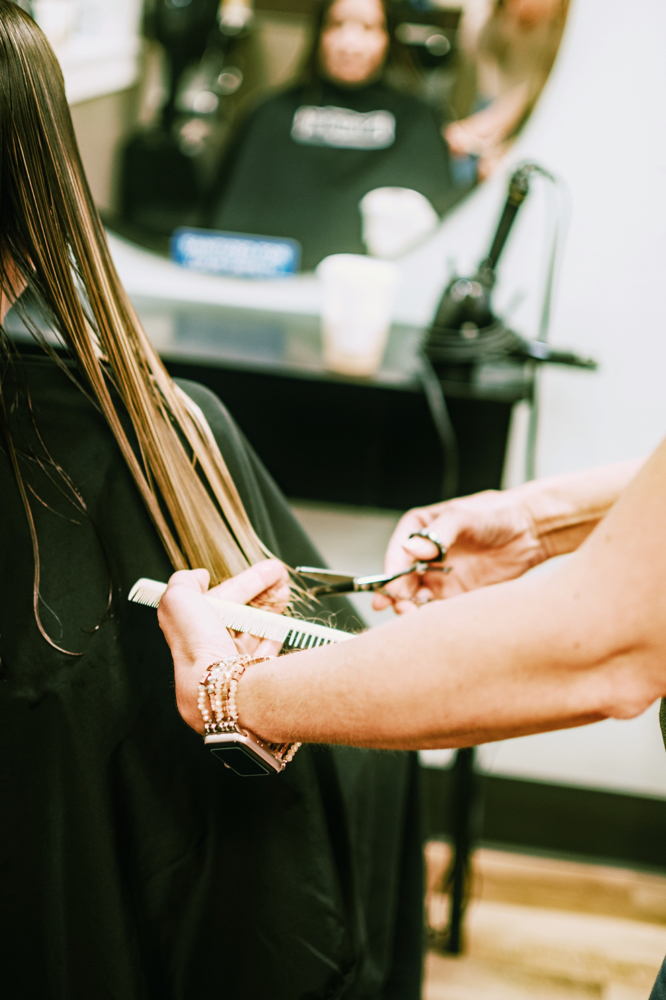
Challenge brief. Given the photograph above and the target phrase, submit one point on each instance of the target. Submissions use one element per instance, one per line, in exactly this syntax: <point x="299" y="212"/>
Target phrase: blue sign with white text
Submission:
<point x="238" y="254"/>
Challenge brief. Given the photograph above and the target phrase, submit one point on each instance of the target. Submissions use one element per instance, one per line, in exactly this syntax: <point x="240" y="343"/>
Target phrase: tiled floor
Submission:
<point x="578" y="965"/>
<point x="542" y="928"/>
<point x="558" y="950"/>
<point x="471" y="979"/>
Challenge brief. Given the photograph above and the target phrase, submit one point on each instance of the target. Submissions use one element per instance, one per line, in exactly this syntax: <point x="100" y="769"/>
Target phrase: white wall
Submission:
<point x="97" y="43"/>
<point x="601" y="124"/>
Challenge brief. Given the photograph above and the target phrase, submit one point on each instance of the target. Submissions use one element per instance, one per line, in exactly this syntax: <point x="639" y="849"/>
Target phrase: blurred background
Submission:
<point x="272" y="122"/>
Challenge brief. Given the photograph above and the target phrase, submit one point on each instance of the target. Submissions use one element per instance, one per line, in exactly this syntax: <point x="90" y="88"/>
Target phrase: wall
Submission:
<point x="601" y="125"/>
<point x="98" y="45"/>
<point x="280" y="41"/>
<point x="100" y="126"/>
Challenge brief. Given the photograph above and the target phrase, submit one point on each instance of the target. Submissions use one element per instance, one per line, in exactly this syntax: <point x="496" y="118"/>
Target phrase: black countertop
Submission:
<point x="331" y="437"/>
<point x="289" y="344"/>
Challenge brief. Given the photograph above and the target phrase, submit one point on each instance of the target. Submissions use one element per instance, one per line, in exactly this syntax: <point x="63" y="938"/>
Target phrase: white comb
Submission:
<point x="291" y="632"/>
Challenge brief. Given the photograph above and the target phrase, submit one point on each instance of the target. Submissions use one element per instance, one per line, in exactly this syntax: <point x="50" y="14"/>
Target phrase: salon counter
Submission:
<point x="324" y="436"/>
<point x="329" y="437"/>
<point x="289" y="345"/>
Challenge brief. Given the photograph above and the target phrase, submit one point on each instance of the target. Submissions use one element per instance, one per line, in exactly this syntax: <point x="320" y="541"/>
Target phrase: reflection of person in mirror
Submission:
<point x="301" y="161"/>
<point x="508" y="48"/>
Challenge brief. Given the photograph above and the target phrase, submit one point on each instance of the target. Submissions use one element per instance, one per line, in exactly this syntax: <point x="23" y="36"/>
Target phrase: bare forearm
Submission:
<point x="580" y="644"/>
<point x="567" y="508"/>
<point x="585" y="642"/>
<point x="454" y="674"/>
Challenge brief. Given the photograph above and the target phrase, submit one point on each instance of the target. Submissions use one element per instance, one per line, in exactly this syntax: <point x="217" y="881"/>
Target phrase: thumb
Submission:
<point x="190" y="625"/>
<point x="192" y="579"/>
<point x="421" y="548"/>
<point x="446" y="528"/>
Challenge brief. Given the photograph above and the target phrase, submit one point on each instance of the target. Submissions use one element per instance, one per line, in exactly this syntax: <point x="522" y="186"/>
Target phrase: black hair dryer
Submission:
<point x="184" y="28"/>
<point x="466" y="330"/>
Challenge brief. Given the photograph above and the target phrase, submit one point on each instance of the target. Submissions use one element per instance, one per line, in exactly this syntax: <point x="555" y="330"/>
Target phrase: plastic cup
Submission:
<point x="356" y="308"/>
<point x="394" y="220"/>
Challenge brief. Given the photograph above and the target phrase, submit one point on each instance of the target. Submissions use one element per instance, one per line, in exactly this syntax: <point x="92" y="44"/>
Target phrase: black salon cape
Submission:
<point x="270" y="185"/>
<point x="132" y="864"/>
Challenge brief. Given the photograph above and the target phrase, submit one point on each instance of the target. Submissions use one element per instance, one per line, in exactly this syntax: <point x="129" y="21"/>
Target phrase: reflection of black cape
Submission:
<point x="274" y="186"/>
<point x="132" y="864"/>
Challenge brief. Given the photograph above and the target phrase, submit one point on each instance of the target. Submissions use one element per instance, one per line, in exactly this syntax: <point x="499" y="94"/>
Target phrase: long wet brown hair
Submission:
<point x="51" y="239"/>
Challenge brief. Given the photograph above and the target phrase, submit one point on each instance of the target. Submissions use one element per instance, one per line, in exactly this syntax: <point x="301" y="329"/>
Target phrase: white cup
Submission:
<point x="394" y="220"/>
<point x="357" y="295"/>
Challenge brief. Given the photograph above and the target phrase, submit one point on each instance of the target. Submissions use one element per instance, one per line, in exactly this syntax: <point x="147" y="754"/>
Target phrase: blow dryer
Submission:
<point x="466" y="329"/>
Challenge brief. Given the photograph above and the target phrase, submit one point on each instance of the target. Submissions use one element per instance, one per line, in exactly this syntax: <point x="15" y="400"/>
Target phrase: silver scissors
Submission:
<point x="332" y="582"/>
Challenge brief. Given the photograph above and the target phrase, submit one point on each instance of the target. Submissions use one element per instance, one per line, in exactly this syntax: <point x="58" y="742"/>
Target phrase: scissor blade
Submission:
<point x="328" y="576"/>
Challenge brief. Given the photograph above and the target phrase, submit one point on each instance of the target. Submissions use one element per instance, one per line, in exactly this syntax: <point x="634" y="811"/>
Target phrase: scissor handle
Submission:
<point x="430" y="536"/>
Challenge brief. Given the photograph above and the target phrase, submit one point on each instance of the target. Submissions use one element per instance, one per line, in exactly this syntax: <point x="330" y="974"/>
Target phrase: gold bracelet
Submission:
<point x="239" y="749"/>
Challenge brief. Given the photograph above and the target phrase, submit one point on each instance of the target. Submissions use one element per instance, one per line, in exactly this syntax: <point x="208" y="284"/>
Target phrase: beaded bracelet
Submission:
<point x="217" y="703"/>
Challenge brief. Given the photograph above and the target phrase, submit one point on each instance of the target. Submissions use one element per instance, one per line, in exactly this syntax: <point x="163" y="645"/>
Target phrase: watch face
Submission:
<point x="243" y="753"/>
<point x="239" y="759"/>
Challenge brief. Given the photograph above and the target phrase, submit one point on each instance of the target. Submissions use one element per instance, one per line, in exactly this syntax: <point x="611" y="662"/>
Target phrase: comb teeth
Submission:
<point x="148" y="592"/>
<point x="302" y="640"/>
<point x="292" y="633"/>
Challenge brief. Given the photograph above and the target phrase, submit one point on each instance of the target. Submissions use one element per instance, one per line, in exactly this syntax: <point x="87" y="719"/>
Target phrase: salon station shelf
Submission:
<point x="289" y="345"/>
<point x="324" y="436"/>
<point x="329" y="437"/>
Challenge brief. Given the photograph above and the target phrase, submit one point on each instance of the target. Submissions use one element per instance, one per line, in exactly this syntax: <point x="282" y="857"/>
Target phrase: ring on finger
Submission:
<point x="420" y="599"/>
<point x="430" y="536"/>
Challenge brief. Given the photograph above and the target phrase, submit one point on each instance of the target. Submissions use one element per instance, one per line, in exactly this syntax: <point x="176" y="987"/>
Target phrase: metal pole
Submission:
<point x="465" y="802"/>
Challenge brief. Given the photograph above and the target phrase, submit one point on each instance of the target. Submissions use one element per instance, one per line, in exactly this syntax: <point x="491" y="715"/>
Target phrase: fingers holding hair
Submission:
<point x="264" y="585"/>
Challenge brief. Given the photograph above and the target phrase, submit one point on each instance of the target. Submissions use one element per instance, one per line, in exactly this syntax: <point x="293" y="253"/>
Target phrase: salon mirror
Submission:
<point x="277" y="118"/>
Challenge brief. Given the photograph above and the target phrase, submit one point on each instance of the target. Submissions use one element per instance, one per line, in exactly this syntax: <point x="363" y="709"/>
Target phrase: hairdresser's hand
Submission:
<point x="490" y="537"/>
<point x="195" y="634"/>
<point x="487" y="133"/>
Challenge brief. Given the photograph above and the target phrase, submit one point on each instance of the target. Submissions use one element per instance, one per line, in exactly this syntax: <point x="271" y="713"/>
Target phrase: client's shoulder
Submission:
<point x="270" y="104"/>
<point x="46" y="382"/>
<point x="407" y="102"/>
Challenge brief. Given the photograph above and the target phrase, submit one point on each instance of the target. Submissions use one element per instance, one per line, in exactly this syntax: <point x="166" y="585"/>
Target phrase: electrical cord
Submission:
<point x="559" y="192"/>
<point x="439" y="412"/>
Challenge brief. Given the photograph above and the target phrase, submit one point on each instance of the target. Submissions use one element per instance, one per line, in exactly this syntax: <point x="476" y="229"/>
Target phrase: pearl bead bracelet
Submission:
<point x="217" y="703"/>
